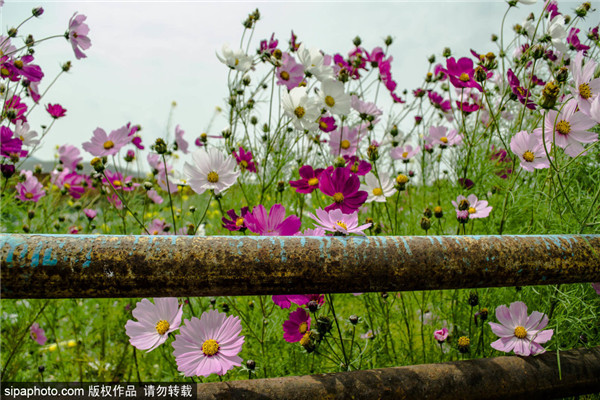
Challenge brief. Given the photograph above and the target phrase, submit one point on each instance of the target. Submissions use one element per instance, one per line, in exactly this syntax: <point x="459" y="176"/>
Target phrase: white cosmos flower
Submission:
<point x="333" y="97"/>
<point x="27" y="137"/>
<point x="235" y="59"/>
<point x="313" y="62"/>
<point x="378" y="189"/>
<point x="300" y="108"/>
<point x="210" y="170"/>
<point x="556" y="29"/>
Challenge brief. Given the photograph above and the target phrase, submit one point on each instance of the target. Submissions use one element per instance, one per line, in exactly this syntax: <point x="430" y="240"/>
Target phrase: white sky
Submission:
<point x="145" y="55"/>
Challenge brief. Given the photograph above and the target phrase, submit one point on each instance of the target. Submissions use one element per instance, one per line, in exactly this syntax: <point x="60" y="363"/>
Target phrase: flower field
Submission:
<point x="502" y="140"/>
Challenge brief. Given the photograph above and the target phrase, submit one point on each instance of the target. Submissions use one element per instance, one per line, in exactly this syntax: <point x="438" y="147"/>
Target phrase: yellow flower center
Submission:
<point x="28" y="195"/>
<point x="323" y="125"/>
<point x="377" y="192"/>
<point x="210" y="347"/>
<point x="285" y="75"/>
<point x="563" y="127"/>
<point x="155" y="232"/>
<point x="299" y="111"/>
<point x="464" y="341"/>
<point x="237" y="61"/>
<point x="108" y="145"/>
<point x="528" y="156"/>
<point x="303" y="327"/>
<point x="329" y="101"/>
<point x="520" y="332"/>
<point x="67" y="186"/>
<point x="239" y="221"/>
<point x="34" y="335"/>
<point x="19" y="64"/>
<point x="464" y="77"/>
<point x="305" y="339"/>
<point x="244" y="164"/>
<point x="354" y="167"/>
<point x="117" y="183"/>
<point x="345" y="144"/>
<point x="585" y="91"/>
<point x="212" y="177"/>
<point x="405" y="154"/>
<point x="338" y="197"/>
<point x="444" y="139"/>
<point x="162" y="327"/>
<point x="342" y="225"/>
<point x="4" y="72"/>
<point x="313" y="182"/>
<point x="472" y="210"/>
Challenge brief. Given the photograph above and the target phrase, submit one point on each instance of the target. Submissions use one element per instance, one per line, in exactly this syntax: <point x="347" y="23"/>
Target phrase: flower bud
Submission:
<point x="356" y="41"/>
<point x="437" y="211"/>
<point x="464" y="343"/>
<point x="97" y="164"/>
<point x="12" y="32"/>
<point x="446" y="52"/>
<point x="373" y="153"/>
<point x="226" y="133"/>
<point x="313" y="306"/>
<point x="160" y="146"/>
<point x="480" y="74"/>
<point x="549" y="95"/>
<point x="308" y="341"/>
<point x="324" y="325"/>
<point x="473" y="299"/>
<point x="253" y="120"/>
<point x="353" y="319"/>
<point x="38" y="11"/>
<point x="494" y="38"/>
<point x="8" y="170"/>
<point x="425" y="223"/>
<point x="225" y="307"/>
<point x="25" y="228"/>
<point x="251" y="365"/>
<point x="29" y="42"/>
<point x="388" y="40"/>
<point x="66" y="66"/>
<point x="431" y="59"/>
<point x="562" y="74"/>
<point x="394" y="131"/>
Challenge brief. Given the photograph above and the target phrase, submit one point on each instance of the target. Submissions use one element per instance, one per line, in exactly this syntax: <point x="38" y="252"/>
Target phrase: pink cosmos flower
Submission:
<point x="89" y="213"/>
<point x="296" y="326"/>
<point x="586" y="87"/>
<point x="520" y="332"/>
<point x="182" y="144"/>
<point x="344" y="187"/>
<point x="570" y="131"/>
<point x="364" y="108"/>
<point x="34" y="91"/>
<point x="37" y="334"/>
<point x="29" y="190"/>
<point x="157" y="227"/>
<point x="309" y="181"/>
<point x="244" y="160"/>
<point x="404" y="153"/>
<point x="69" y="156"/>
<point x="596" y="287"/>
<point x="118" y="181"/>
<point x="530" y="150"/>
<point x="440" y="135"/>
<point x="15" y="109"/>
<point x="438" y="101"/>
<point x="154" y="322"/>
<point x="336" y="221"/>
<point x="102" y="144"/>
<point x="237" y="222"/>
<point x="441" y="335"/>
<point x="77" y="34"/>
<point x="209" y="345"/>
<point x="290" y="73"/>
<point x="73" y="183"/>
<point x="312" y="232"/>
<point x="154" y="196"/>
<point x="273" y="224"/>
<point x="56" y="111"/>
<point x="344" y="142"/>
<point x="461" y="73"/>
<point x="476" y="208"/>
<point x="357" y="166"/>
<point x="23" y="67"/>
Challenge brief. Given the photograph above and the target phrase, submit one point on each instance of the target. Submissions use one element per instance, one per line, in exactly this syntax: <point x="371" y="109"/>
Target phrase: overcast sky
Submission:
<point x="145" y="55"/>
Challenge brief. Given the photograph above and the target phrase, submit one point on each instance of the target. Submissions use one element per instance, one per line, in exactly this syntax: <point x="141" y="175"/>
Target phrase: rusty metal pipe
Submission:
<point x="65" y="266"/>
<point x="488" y="378"/>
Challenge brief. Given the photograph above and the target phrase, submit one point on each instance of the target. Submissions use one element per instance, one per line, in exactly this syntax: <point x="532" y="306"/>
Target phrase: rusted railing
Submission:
<point x="61" y="266"/>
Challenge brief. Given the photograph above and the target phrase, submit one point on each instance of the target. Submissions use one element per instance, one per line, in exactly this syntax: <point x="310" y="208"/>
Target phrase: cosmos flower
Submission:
<point x="289" y="73"/>
<point x="296" y="326"/>
<point x="244" y="160"/>
<point x="210" y="170"/>
<point x="344" y="187"/>
<point x="209" y="345"/>
<point x="37" y="334"/>
<point x="333" y="97"/>
<point x="530" y="150"/>
<point x="56" y="111"/>
<point x="338" y="222"/>
<point x="182" y="144"/>
<point x="102" y="144"/>
<point x="236" y="222"/>
<point x="441" y="335"/>
<point x="357" y="166"/>
<point x="302" y="110"/>
<point x="345" y="142"/>
<point x="154" y="322"/>
<point x="69" y="156"/>
<point x="29" y="190"/>
<point x="77" y="34"/>
<point x="404" y="153"/>
<point x="272" y="224"/>
<point x="520" y="332"/>
<point x="378" y="189"/>
<point x="461" y="73"/>
<point x="440" y="135"/>
<point x="586" y="88"/>
<point x="476" y="208"/>
<point x="309" y="179"/>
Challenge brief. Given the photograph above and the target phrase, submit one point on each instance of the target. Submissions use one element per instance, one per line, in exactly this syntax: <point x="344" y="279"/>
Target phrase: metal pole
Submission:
<point x="66" y="266"/>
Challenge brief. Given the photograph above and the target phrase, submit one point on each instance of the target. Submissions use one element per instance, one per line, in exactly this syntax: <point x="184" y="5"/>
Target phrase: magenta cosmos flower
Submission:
<point x="338" y="222"/>
<point x="520" y="332"/>
<point x="461" y="73"/>
<point x="77" y="35"/>
<point x="570" y="131"/>
<point x="244" y="160"/>
<point x="154" y="322"/>
<point x="102" y="144"/>
<point x="530" y="150"/>
<point x="357" y="166"/>
<point x="237" y="222"/>
<point x="309" y="181"/>
<point x="344" y="187"/>
<point x="209" y="345"/>
<point x="30" y="190"/>
<point x="9" y="144"/>
<point x="476" y="208"/>
<point x="56" y="111"/>
<point x="274" y="223"/>
<point x="286" y="300"/>
<point x="37" y="334"/>
<point x="296" y="326"/>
